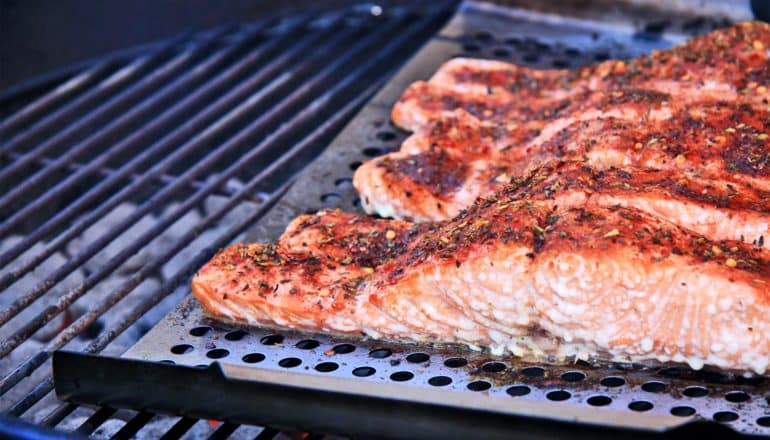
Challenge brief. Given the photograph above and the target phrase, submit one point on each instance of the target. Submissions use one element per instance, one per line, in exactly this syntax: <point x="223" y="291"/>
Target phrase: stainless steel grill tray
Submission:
<point x="430" y="381"/>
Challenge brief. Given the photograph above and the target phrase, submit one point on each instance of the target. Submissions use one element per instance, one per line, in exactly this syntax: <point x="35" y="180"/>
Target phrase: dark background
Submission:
<point x="41" y="36"/>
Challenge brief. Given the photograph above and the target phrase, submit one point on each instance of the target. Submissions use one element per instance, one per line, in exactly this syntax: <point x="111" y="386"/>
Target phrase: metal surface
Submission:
<point x="615" y="395"/>
<point x="182" y="147"/>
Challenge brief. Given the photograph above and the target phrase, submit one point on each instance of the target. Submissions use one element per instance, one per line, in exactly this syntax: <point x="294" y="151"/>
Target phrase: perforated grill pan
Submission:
<point x="194" y="366"/>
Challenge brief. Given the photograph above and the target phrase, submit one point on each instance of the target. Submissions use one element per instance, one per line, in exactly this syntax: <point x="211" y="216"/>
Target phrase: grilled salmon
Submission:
<point x="511" y="275"/>
<point x="729" y="64"/>
<point x="441" y="170"/>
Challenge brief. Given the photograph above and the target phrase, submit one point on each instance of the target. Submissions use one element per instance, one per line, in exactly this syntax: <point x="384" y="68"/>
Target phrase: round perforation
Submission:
<point x="573" y="376"/>
<point x="272" y="340"/>
<point x="344" y="348"/>
<point x="200" y="331"/>
<point x="290" y="362"/>
<point x="737" y="397"/>
<point x="456" y="362"/>
<point x="326" y="367"/>
<point x="613" y="381"/>
<point x="402" y="376"/>
<point x="440" y="381"/>
<point x="217" y="353"/>
<point x="380" y="353"/>
<point x="363" y="371"/>
<point x="518" y="390"/>
<point x="253" y="358"/>
<point x="640" y="406"/>
<point x="558" y="395"/>
<point x="479" y="385"/>
<point x="182" y="349"/>
<point x="599" y="400"/>
<point x="236" y="335"/>
<point x="418" y="358"/>
<point x="493" y="367"/>
<point x="682" y="411"/>
<point x="695" y="391"/>
<point x="307" y="344"/>
<point x="725" y="416"/>
<point x="533" y="371"/>
<point x="654" y="387"/>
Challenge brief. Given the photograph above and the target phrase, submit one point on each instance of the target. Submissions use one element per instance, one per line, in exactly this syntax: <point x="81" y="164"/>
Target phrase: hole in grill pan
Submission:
<point x="344" y="348"/>
<point x="764" y="421"/>
<point x="330" y="199"/>
<point x="289" y="362"/>
<point x="695" y="392"/>
<point x="470" y="47"/>
<point x="217" y="353"/>
<point x="501" y="52"/>
<point x="479" y="385"/>
<point x="483" y="36"/>
<point x="354" y="165"/>
<point x="326" y="367"/>
<point x="200" y="331"/>
<point x="401" y="376"/>
<point x="640" y="406"/>
<point x="682" y="411"/>
<point x="573" y="376"/>
<point x="613" y="381"/>
<point x="236" y="335"/>
<point x="363" y="371"/>
<point x="181" y="348"/>
<point x="533" y="372"/>
<point x="558" y="395"/>
<point x="518" y="390"/>
<point x="737" y="396"/>
<point x="253" y="358"/>
<point x="344" y="183"/>
<point x="380" y="353"/>
<point x="493" y="367"/>
<point x="455" y="362"/>
<point x="307" y="344"/>
<point x="599" y="400"/>
<point x="654" y="387"/>
<point x="272" y="339"/>
<point x="725" y="416"/>
<point x="571" y="51"/>
<point x="417" y="358"/>
<point x="373" y="151"/>
<point x="440" y="381"/>
<point x="386" y="136"/>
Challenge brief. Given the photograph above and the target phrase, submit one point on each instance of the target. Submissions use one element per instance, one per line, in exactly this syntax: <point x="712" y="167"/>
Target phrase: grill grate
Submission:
<point x="121" y="181"/>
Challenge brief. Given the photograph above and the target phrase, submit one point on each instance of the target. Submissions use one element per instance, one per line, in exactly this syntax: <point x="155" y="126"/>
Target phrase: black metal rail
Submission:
<point x="168" y="128"/>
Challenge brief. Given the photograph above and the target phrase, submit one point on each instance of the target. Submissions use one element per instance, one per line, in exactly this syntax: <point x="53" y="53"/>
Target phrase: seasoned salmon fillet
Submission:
<point x="512" y="275"/>
<point x="441" y="170"/>
<point x="729" y="64"/>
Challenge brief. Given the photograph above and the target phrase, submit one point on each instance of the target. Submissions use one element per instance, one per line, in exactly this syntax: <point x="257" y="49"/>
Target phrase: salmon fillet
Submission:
<point x="441" y="170"/>
<point x="729" y="64"/>
<point x="511" y="275"/>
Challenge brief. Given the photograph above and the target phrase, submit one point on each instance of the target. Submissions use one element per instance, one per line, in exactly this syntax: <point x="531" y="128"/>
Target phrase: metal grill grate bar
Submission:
<point x="47" y="102"/>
